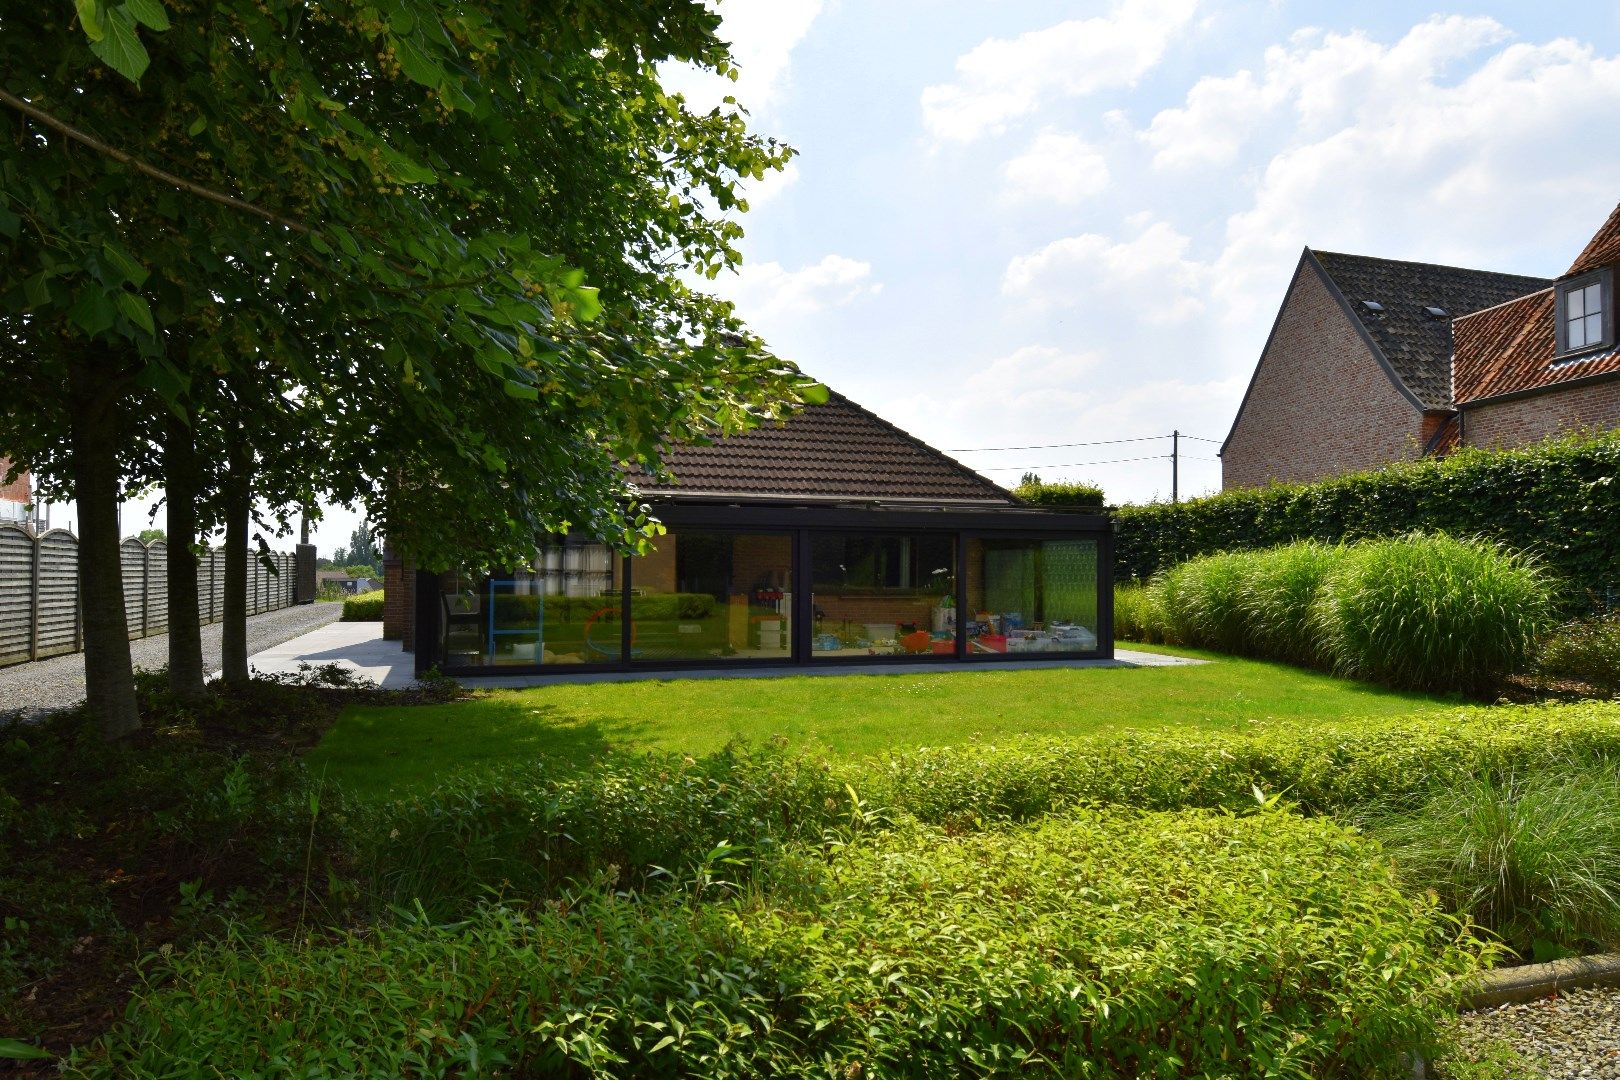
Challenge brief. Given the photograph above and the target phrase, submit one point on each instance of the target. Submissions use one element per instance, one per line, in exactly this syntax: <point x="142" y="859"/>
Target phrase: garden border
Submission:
<point x="1505" y="985"/>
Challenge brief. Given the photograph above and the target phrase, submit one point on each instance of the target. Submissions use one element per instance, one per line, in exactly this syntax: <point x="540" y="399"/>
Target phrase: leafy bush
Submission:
<point x="1108" y="944"/>
<point x="1060" y="494"/>
<point x="1587" y="651"/>
<point x="1534" y="856"/>
<point x="1137" y="616"/>
<point x="366" y="607"/>
<point x="1433" y="612"/>
<point x="1558" y="500"/>
<point x="1203" y="602"/>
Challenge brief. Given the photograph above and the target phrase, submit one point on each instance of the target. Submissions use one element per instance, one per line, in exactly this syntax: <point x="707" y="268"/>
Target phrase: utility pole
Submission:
<point x="1175" y="466"/>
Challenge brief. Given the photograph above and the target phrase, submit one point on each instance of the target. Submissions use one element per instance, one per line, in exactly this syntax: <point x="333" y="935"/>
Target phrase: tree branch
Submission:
<point x="34" y="112"/>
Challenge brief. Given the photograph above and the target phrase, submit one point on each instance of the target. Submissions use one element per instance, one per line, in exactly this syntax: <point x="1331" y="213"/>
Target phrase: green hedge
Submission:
<point x="366" y="607"/>
<point x="1558" y="500"/>
<point x="1107" y="944"/>
<point x="1059" y="495"/>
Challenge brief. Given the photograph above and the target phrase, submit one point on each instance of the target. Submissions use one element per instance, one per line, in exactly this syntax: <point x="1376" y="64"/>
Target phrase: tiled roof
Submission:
<point x="833" y="451"/>
<point x="1512" y="347"/>
<point x="1416" y="344"/>
<point x="1603" y="249"/>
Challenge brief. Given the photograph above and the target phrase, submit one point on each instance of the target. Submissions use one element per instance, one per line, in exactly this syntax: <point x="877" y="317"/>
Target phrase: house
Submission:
<point x="15" y="497"/>
<point x="342" y="579"/>
<point x="831" y="537"/>
<point x="1373" y="361"/>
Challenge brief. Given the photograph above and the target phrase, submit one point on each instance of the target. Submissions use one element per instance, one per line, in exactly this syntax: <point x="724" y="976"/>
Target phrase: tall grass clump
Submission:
<point x="1587" y="650"/>
<point x="1202" y="601"/>
<point x="1433" y="612"/>
<point x="1137" y="616"/>
<point x="1279" y="600"/>
<point x="1533" y="856"/>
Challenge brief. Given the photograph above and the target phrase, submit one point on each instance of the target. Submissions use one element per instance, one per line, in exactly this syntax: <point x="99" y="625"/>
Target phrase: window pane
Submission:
<point x="1575" y="303"/>
<point x="709" y="594"/>
<point x="1029" y="596"/>
<point x="889" y="594"/>
<point x="1594" y="328"/>
<point x="1594" y="297"/>
<point x="563" y="609"/>
<point x="1577" y="333"/>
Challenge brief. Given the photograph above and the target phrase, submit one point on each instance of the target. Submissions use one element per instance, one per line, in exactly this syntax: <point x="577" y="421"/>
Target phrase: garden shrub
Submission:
<point x="1586" y="650"/>
<point x="1137" y="616"/>
<point x="1433" y="612"/>
<point x="366" y="607"/>
<point x="1557" y="500"/>
<point x="1533" y="856"/>
<point x="1203" y="604"/>
<point x="1059" y="495"/>
<point x="1279" y="601"/>
<point x="1106" y="944"/>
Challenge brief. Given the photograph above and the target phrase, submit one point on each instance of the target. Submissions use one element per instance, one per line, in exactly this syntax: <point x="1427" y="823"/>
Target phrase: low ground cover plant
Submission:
<point x="1422" y="612"/>
<point x="1585" y="651"/>
<point x="365" y="607"/>
<point x="1106" y="943"/>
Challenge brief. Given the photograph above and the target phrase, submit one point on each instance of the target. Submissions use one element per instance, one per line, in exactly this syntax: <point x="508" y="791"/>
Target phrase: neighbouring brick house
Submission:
<point x="1373" y="361"/>
<point x="832" y="536"/>
<point x="15" y="497"/>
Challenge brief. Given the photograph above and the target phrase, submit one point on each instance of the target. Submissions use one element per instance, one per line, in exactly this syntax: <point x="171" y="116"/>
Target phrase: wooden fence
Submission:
<point x="39" y="591"/>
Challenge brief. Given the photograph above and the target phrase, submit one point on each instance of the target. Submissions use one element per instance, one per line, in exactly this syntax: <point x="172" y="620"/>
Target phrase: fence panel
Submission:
<point x="16" y="594"/>
<point x="58" y="598"/>
<point x="39" y="590"/>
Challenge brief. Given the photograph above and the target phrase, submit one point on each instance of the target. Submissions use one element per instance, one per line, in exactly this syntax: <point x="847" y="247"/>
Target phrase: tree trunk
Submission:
<point x="182" y="483"/>
<point x="109" y="676"/>
<point x="238" y="509"/>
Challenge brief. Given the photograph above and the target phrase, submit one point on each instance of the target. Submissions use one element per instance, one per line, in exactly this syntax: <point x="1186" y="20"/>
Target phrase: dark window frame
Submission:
<point x="1605" y="279"/>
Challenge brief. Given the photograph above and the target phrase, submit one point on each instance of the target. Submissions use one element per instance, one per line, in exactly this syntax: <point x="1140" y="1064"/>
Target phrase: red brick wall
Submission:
<point x="1531" y="419"/>
<point x="18" y="490"/>
<point x="399" y="600"/>
<point x="1321" y="404"/>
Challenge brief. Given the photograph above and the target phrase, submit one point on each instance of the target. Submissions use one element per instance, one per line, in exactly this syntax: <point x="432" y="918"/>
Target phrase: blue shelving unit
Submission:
<point x="539" y="622"/>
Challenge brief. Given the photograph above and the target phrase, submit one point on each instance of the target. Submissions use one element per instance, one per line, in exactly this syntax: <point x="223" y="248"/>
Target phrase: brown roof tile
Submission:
<point x="1512" y="347"/>
<point x="1603" y="249"/>
<point x="833" y="451"/>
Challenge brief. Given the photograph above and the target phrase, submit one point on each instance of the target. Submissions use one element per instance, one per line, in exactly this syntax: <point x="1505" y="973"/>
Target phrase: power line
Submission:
<point x="1074" y="464"/>
<point x="1200" y="438"/>
<point x="1061" y="445"/>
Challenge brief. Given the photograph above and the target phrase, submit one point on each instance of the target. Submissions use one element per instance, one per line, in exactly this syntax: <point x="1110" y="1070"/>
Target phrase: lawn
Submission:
<point x="378" y="749"/>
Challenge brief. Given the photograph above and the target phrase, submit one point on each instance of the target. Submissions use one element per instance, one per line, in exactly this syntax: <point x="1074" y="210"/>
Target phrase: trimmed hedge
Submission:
<point x="1111" y="943"/>
<point x="1558" y="500"/>
<point x="1059" y="495"/>
<point x="1586" y="650"/>
<point x="366" y="607"/>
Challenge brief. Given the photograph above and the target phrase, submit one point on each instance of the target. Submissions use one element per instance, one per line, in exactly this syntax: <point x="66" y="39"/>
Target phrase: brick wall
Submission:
<point x="1531" y="419"/>
<point x="18" y="490"/>
<point x="1321" y="404"/>
<point x="399" y="600"/>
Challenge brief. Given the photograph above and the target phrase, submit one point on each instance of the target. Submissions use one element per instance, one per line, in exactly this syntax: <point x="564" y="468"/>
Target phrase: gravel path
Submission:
<point x="1574" y="1036"/>
<point x="59" y="682"/>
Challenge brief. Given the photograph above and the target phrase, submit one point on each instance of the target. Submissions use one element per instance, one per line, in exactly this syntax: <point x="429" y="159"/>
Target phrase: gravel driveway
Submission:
<point x="1574" y="1036"/>
<point x="59" y="682"/>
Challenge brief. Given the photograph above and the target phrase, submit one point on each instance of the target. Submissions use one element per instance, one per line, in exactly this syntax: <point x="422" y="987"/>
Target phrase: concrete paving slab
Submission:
<point x="360" y="648"/>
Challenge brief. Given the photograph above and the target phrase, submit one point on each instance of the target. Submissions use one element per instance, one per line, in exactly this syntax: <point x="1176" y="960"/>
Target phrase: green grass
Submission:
<point x="377" y="749"/>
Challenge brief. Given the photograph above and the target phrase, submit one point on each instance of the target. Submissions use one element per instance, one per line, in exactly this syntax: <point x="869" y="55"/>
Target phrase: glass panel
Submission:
<point x="1594" y="328"/>
<point x="703" y="594"/>
<point x="1577" y="333"/>
<point x="1032" y="596"/>
<point x="883" y="594"/>
<point x="1594" y="298"/>
<point x="562" y="609"/>
<point x="1575" y="303"/>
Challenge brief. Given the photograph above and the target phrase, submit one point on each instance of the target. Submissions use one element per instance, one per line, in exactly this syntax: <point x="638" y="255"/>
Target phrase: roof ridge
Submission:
<point x="925" y="447"/>
<point x="1431" y="265"/>
<point x="1516" y="300"/>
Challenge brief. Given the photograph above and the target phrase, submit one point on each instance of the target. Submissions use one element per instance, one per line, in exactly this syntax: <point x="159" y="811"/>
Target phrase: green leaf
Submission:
<point x="418" y="66"/>
<point x="9" y="223"/>
<point x="135" y="309"/>
<point x="120" y="48"/>
<point x="20" y="1051"/>
<point x="90" y="18"/>
<point x="198" y="126"/>
<point x="125" y="264"/>
<point x="814" y="394"/>
<point x="92" y="312"/>
<point x="521" y="391"/>
<point x="148" y="13"/>
<point x="37" y="289"/>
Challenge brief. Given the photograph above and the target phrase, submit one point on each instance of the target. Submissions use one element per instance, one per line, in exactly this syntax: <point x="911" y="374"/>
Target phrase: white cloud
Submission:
<point x="768" y="190"/>
<point x="1057" y="168"/>
<point x="763" y="35"/>
<point x="767" y="292"/>
<point x="1146" y="279"/>
<point x="1001" y="79"/>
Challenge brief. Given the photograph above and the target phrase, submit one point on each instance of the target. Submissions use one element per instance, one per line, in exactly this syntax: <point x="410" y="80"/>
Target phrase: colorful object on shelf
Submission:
<point x="916" y="642"/>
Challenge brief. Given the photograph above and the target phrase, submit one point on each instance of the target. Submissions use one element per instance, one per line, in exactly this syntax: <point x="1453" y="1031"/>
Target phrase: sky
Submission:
<point x="1024" y="223"/>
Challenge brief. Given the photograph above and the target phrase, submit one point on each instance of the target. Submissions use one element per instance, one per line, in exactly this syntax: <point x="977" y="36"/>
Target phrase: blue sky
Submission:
<point x="1025" y="222"/>
<point x="1020" y="223"/>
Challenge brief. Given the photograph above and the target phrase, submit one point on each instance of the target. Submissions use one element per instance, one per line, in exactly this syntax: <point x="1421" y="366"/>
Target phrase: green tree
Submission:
<point x="351" y="243"/>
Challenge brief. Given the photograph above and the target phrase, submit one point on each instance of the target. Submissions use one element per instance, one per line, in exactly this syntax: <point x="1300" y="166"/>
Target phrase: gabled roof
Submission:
<point x="835" y="451"/>
<point x="1417" y="344"/>
<point x="1602" y="249"/>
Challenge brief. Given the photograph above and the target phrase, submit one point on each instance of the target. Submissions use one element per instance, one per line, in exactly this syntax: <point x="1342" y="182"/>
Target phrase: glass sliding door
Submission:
<point x="1029" y="595"/>
<point x="883" y="594"/>
<point x="713" y="594"/>
<point x="562" y="609"/>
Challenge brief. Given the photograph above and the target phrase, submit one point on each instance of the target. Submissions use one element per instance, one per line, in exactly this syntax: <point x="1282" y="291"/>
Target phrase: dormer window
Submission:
<point x="1585" y="313"/>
